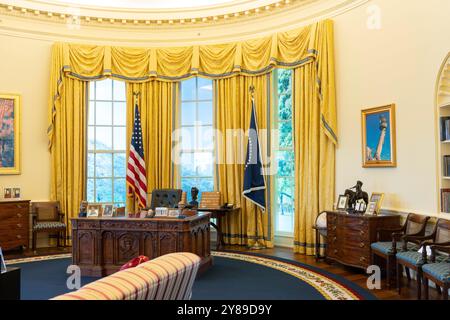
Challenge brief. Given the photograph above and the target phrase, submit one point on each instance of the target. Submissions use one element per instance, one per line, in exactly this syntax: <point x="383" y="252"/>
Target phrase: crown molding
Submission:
<point x="63" y="29"/>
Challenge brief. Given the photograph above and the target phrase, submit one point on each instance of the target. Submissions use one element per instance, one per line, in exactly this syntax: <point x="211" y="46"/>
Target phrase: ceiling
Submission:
<point x="142" y="4"/>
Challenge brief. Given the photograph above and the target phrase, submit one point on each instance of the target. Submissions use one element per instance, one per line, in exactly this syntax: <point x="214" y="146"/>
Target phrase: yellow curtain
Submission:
<point x="314" y="150"/>
<point x="68" y="152"/>
<point x="156" y="102"/>
<point x="233" y="110"/>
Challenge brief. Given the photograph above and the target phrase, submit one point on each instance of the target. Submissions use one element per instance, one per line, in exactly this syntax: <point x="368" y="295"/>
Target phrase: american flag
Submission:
<point x="136" y="173"/>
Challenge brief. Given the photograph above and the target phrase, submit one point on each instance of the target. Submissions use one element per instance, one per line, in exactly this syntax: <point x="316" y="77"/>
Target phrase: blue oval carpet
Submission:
<point x="234" y="276"/>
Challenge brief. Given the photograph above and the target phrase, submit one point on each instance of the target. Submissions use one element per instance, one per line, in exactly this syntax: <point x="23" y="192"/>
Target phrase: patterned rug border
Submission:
<point x="329" y="288"/>
<point x="38" y="258"/>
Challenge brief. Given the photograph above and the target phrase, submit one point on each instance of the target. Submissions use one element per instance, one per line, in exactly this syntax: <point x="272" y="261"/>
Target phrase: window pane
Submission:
<point x="286" y="163"/>
<point x="119" y="165"/>
<point x="119" y="138"/>
<point x="119" y="190"/>
<point x="90" y="190"/>
<point x="92" y="90"/>
<point x="205" y="113"/>
<point x="119" y="91"/>
<point x="285" y="131"/>
<point x="204" y="163"/>
<point x="103" y="165"/>
<point x="285" y="107"/>
<point x="205" y="138"/>
<point x="188" y="113"/>
<point x="104" y="190"/>
<point x="103" y="89"/>
<point x="205" y="89"/>
<point x="91" y="113"/>
<point x="90" y="165"/>
<point x="188" y="89"/>
<point x="120" y="113"/>
<point x="103" y="138"/>
<point x="205" y="185"/>
<point x="103" y="113"/>
<point x="285" y="204"/>
<point x="91" y="139"/>
<point x="187" y="138"/>
<point x="187" y="165"/>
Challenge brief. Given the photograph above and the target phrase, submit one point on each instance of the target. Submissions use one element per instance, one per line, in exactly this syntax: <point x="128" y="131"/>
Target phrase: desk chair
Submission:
<point x="166" y="198"/>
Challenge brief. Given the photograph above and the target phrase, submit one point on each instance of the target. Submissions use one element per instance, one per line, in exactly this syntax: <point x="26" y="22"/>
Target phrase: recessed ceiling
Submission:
<point x="144" y="4"/>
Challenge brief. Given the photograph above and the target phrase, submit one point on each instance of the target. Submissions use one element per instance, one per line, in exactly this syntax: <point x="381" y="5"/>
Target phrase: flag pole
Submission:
<point x="256" y="245"/>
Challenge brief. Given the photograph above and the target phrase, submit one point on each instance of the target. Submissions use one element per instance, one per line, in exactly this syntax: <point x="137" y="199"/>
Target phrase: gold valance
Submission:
<point x="289" y="49"/>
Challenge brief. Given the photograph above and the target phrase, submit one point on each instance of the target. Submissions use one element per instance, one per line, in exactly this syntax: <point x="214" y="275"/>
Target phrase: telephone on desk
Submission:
<point x="227" y="206"/>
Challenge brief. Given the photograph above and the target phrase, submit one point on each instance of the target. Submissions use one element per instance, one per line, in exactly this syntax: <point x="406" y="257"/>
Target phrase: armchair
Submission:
<point x="415" y="260"/>
<point x="438" y="270"/>
<point x="414" y="225"/>
<point x="47" y="217"/>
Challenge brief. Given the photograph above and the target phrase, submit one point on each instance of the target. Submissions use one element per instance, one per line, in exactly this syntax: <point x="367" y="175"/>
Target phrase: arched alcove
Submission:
<point x="443" y="135"/>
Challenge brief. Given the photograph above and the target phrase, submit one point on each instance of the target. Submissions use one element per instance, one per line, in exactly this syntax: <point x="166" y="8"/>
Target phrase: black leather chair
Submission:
<point x="166" y="198"/>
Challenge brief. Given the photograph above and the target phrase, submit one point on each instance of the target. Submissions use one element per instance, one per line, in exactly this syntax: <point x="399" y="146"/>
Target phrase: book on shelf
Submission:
<point x="445" y="128"/>
<point x="446" y="166"/>
<point x="445" y="200"/>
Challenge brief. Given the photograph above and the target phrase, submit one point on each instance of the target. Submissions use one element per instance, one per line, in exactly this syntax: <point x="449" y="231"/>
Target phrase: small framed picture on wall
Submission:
<point x="379" y="137"/>
<point x="7" y="193"/>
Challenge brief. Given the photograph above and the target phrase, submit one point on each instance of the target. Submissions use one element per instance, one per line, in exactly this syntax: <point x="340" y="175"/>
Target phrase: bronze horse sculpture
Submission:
<point x="358" y="194"/>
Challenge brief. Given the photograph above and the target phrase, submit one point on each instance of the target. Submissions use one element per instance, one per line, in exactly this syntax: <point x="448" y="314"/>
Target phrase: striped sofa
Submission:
<point x="168" y="277"/>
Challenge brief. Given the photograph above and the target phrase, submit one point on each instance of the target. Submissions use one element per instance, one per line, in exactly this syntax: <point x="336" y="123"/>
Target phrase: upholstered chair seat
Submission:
<point x="386" y="247"/>
<point x="440" y="270"/>
<point x="49" y="225"/>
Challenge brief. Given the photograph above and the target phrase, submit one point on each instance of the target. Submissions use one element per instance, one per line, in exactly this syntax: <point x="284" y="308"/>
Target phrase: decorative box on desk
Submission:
<point x="349" y="236"/>
<point x="14" y="221"/>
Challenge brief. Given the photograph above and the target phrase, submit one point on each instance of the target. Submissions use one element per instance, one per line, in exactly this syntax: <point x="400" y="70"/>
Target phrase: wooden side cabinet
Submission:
<point x="349" y="236"/>
<point x="14" y="224"/>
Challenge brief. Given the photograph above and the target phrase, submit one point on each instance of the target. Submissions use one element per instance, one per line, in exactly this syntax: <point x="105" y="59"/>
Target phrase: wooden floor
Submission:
<point x="355" y="275"/>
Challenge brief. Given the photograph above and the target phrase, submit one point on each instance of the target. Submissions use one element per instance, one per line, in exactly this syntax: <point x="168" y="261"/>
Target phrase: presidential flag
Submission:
<point x="136" y="173"/>
<point x="254" y="182"/>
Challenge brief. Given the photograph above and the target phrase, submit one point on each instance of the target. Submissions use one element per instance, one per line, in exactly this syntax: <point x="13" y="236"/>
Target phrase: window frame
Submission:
<point x="276" y="123"/>
<point x="112" y="151"/>
<point x="196" y="125"/>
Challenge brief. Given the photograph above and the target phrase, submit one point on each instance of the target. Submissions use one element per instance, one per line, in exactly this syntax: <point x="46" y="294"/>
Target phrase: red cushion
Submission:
<point x="134" y="262"/>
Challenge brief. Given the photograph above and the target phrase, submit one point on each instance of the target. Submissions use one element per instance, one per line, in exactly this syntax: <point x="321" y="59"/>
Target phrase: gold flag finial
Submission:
<point x="252" y="90"/>
<point x="136" y="95"/>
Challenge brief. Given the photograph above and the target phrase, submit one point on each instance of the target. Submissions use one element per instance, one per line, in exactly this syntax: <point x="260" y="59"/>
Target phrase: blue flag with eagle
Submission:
<point x="254" y="182"/>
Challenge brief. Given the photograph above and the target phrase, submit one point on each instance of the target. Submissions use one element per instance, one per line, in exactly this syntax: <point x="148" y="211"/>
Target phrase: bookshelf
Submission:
<point x="443" y="136"/>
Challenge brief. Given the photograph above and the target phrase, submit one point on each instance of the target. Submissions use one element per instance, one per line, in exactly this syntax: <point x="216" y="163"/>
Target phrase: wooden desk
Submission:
<point x="14" y="222"/>
<point x="218" y="214"/>
<point x="100" y="246"/>
<point x="349" y="236"/>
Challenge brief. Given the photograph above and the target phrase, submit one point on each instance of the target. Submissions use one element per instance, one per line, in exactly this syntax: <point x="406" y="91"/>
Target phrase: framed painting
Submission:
<point x="9" y="134"/>
<point x="378" y="137"/>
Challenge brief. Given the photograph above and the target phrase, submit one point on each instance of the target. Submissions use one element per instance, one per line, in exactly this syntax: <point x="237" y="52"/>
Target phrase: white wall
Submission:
<point x="25" y="70"/>
<point x="397" y="64"/>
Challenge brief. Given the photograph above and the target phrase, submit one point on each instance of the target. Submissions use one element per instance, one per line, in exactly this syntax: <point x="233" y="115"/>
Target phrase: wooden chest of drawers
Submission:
<point x="349" y="236"/>
<point x="14" y="221"/>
